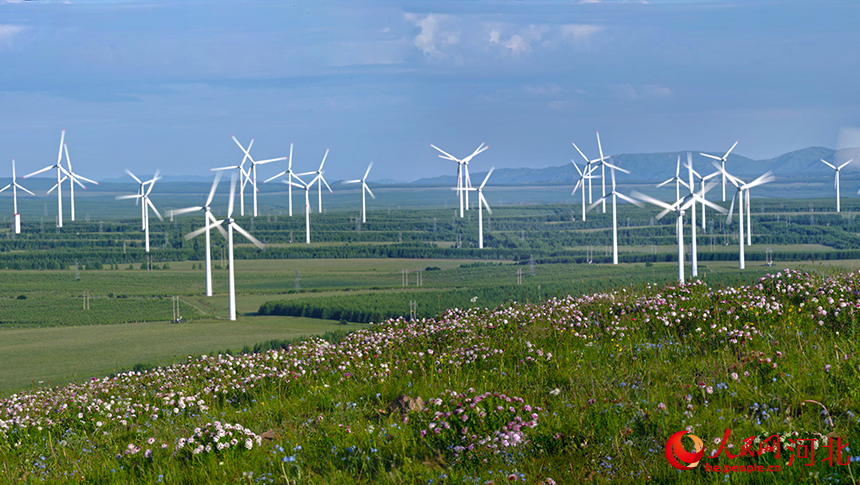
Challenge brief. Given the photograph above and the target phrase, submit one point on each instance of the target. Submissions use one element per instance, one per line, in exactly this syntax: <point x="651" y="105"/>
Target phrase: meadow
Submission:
<point x="575" y="389"/>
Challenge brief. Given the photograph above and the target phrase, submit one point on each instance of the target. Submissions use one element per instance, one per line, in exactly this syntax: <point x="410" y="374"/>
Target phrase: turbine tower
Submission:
<point x="60" y="172"/>
<point x="15" y="186"/>
<point x="231" y="225"/>
<point x="251" y="175"/>
<point x="143" y="196"/>
<point x="208" y="218"/>
<point x="739" y="194"/>
<point x="319" y="179"/>
<point x="836" y="181"/>
<point x="614" y="194"/>
<point x="364" y="189"/>
<point x="290" y="175"/>
<point x="73" y="179"/>
<point x="580" y="184"/>
<point x="481" y="200"/>
<point x="679" y="208"/>
<point x="722" y="166"/>
<point x="307" y="187"/>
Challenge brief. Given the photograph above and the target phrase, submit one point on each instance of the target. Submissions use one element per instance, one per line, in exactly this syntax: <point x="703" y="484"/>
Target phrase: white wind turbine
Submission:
<point x="679" y="181"/>
<point x="290" y="175"/>
<point x="836" y="181"/>
<point x="60" y="171"/>
<point x="15" y="186"/>
<point x="319" y="179"/>
<point x="679" y="208"/>
<point x="463" y="180"/>
<point x="307" y="187"/>
<point x="231" y="225"/>
<point x="251" y="175"/>
<point x="722" y="166"/>
<point x="481" y="200"/>
<point x="143" y="196"/>
<point x="589" y="168"/>
<point x="739" y="194"/>
<point x="614" y="194"/>
<point x="580" y="184"/>
<point x="208" y="218"/>
<point x="73" y="179"/>
<point x="364" y="188"/>
<point x="694" y="255"/>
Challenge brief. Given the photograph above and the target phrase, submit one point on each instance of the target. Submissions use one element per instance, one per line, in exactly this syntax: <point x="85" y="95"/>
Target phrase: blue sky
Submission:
<point x="152" y="84"/>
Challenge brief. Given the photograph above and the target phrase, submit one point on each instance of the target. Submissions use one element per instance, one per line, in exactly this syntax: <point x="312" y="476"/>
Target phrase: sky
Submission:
<point x="149" y="85"/>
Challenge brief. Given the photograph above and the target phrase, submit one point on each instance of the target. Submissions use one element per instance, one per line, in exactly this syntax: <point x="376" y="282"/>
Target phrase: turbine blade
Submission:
<point x="731" y="209"/>
<point x="248" y="236"/>
<point x="22" y="188"/>
<point x="828" y="164"/>
<point x="326" y="183"/>
<point x="678" y="167"/>
<point x="613" y="167"/>
<point x="6" y="187"/>
<point x="369" y="166"/>
<point x="709" y="156"/>
<point x="487" y="178"/>
<point x="369" y="191"/>
<point x="186" y="210"/>
<point x="666" y="182"/>
<point x="133" y="176"/>
<point x="195" y="233"/>
<point x="276" y="176"/>
<point x="39" y="171"/>
<point x="451" y="157"/>
<point x="232" y="196"/>
<point x="730" y="150"/>
<point x="765" y="178"/>
<point x="580" y="152"/>
<point x="484" y="201"/>
<point x="629" y="199"/>
<point x="151" y="205"/>
<point x="123" y="197"/>
<point x="212" y="190"/>
<point x="650" y="200"/>
<point x="323" y="160"/>
<point x="846" y="163"/>
<point x="231" y="167"/>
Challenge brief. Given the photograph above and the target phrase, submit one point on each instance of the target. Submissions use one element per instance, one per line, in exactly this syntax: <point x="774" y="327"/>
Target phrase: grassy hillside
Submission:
<point x="577" y="389"/>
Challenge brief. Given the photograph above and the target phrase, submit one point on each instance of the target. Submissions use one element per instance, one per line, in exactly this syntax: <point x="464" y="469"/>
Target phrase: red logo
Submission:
<point x="675" y="448"/>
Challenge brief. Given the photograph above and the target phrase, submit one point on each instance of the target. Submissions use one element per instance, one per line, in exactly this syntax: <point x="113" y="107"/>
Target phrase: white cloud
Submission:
<point x="432" y="37"/>
<point x="9" y="31"/>
<point x="579" y="32"/>
<point x="517" y="45"/>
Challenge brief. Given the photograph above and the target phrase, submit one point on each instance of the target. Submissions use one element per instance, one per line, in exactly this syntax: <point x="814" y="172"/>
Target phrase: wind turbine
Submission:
<point x="741" y="187"/>
<point x="694" y="255"/>
<point x="251" y="175"/>
<point x="207" y="219"/>
<point x="580" y="184"/>
<point x="290" y="175"/>
<point x="60" y="171"/>
<point x="589" y="167"/>
<point x="679" y="208"/>
<point x="836" y="181"/>
<point x="307" y="187"/>
<point x="481" y="200"/>
<point x="364" y="188"/>
<point x="143" y="196"/>
<point x="73" y="179"/>
<point x="614" y="194"/>
<point x="463" y="180"/>
<point x="722" y="166"/>
<point x="231" y="225"/>
<point x="677" y="179"/>
<point x="15" y="186"/>
<point x="319" y="179"/>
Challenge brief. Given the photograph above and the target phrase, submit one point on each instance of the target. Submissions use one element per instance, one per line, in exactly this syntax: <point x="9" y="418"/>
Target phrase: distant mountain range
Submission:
<point x="643" y="167"/>
<point x="661" y="166"/>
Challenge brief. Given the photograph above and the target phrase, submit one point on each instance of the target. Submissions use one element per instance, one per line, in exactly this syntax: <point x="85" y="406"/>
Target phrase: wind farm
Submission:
<point x="549" y="311"/>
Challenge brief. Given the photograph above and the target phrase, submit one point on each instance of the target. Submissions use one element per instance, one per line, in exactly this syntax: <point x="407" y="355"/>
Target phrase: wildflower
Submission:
<point x="735" y="376"/>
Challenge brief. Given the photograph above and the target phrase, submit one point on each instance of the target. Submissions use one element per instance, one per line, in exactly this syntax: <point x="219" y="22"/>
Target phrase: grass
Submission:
<point x="53" y="356"/>
<point x="572" y="390"/>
